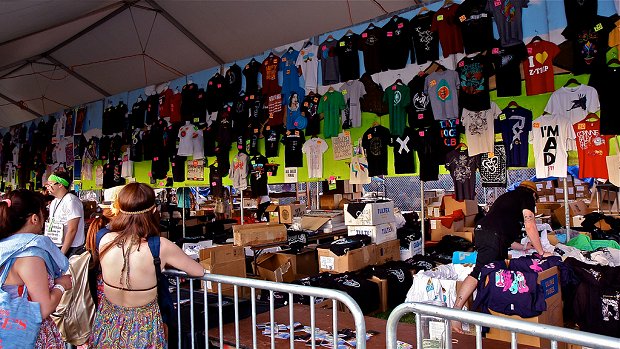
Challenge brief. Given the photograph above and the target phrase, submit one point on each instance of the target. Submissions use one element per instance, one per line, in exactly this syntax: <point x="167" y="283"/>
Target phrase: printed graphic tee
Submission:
<point x="515" y="125"/>
<point x="404" y="160"/>
<point x="441" y="87"/>
<point x="462" y="168"/>
<point x="375" y="142"/>
<point x="309" y="110"/>
<point x="309" y="64"/>
<point x="293" y="143"/>
<point x="507" y="15"/>
<point x="348" y="58"/>
<point x="573" y="103"/>
<point x="538" y="67"/>
<point x="552" y="136"/>
<point x="331" y="106"/>
<point x="493" y="167"/>
<point x="258" y="176"/>
<point x="476" y="25"/>
<point x="397" y="98"/>
<point x="290" y="73"/>
<point x="314" y="149"/>
<point x="449" y="135"/>
<point x="371" y="46"/>
<point x="269" y="71"/>
<point x="605" y="80"/>
<point x="396" y="43"/>
<point x="352" y="91"/>
<point x="479" y="129"/>
<point x="474" y="76"/>
<point x="425" y="42"/>
<point x="592" y="148"/>
<point x="420" y="111"/>
<point x="329" y="62"/>
<point x="507" y="63"/>
<point x="450" y="37"/>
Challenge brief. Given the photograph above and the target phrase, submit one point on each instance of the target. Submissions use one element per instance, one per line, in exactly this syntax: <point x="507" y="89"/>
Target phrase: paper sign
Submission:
<point x="195" y="170"/>
<point x="342" y="146"/>
<point x="440" y="18"/>
<point x="290" y="175"/>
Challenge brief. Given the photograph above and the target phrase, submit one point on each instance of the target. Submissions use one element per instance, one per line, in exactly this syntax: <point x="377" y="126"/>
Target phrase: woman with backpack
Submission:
<point x="32" y="265"/>
<point x="129" y="315"/>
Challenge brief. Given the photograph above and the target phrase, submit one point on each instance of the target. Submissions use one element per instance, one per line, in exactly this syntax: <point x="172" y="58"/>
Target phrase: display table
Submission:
<point x="323" y="320"/>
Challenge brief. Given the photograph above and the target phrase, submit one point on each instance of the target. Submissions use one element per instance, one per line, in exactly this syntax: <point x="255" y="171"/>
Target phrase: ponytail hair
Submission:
<point x="15" y="210"/>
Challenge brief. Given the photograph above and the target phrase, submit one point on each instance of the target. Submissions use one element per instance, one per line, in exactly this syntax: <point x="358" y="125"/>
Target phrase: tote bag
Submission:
<point x="22" y="317"/>
<point x="613" y="166"/>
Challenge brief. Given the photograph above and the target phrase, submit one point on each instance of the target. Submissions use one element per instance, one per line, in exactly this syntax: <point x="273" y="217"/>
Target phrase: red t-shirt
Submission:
<point x="538" y="67"/>
<point x="592" y="148"/>
<point x="269" y="71"/>
<point x="164" y="103"/>
<point x="175" y="107"/>
<point x="274" y="106"/>
<point x="450" y="36"/>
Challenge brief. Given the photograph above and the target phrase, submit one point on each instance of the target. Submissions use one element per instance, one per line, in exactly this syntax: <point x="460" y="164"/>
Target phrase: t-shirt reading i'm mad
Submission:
<point x="552" y="136"/>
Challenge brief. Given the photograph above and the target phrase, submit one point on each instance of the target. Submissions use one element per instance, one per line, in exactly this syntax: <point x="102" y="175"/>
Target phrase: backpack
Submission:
<point x="75" y="313"/>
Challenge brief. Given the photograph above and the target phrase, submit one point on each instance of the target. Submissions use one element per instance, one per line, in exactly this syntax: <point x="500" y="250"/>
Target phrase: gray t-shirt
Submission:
<point x="442" y="87"/>
<point x="507" y="15"/>
<point x="352" y="91"/>
<point x="463" y="168"/>
<point x="239" y="171"/>
<point x="329" y="62"/>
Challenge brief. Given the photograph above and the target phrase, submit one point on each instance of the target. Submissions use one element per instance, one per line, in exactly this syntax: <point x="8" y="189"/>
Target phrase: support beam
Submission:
<point x="20" y="105"/>
<point x="185" y="31"/>
<point x="78" y="76"/>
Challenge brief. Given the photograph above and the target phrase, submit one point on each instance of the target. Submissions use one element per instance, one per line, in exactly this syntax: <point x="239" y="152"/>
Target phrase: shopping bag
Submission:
<point x="613" y="166"/>
<point x="20" y="319"/>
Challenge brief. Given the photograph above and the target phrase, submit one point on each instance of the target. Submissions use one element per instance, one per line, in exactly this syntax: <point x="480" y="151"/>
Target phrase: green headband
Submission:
<point x="54" y="178"/>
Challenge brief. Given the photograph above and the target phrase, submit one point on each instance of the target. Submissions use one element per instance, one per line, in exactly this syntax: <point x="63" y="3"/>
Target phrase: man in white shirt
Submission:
<point x="65" y="224"/>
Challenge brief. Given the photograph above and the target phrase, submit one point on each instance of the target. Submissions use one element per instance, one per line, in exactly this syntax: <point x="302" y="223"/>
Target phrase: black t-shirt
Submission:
<point x="138" y="113"/>
<point x="419" y="110"/>
<point x="215" y="180"/>
<point x="476" y="25"/>
<point x="375" y="142"/>
<point x="250" y="71"/>
<point x="215" y="92"/>
<point x="200" y="108"/>
<point x="258" y="176"/>
<point x="427" y="145"/>
<point x="605" y="80"/>
<point x="252" y="146"/>
<point x="178" y="168"/>
<point x="233" y="83"/>
<point x="112" y="174"/>
<point x="371" y="45"/>
<point x="506" y="214"/>
<point x="136" y="152"/>
<point x="474" y="76"/>
<point x="579" y="13"/>
<point x="590" y="43"/>
<point x="425" y="42"/>
<point x="224" y="136"/>
<point x="309" y="108"/>
<point x="272" y="141"/>
<point x="404" y="159"/>
<point x="152" y="108"/>
<point x="396" y="43"/>
<point x="449" y="136"/>
<point x="507" y="66"/>
<point x="240" y="115"/>
<point x="108" y="120"/>
<point x="293" y="142"/>
<point x="104" y="147"/>
<point x="208" y="134"/>
<point x="189" y="94"/>
<point x="348" y="58"/>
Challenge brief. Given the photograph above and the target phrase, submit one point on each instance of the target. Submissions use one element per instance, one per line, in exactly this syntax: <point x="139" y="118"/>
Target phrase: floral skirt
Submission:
<point x="49" y="336"/>
<point x="121" y="327"/>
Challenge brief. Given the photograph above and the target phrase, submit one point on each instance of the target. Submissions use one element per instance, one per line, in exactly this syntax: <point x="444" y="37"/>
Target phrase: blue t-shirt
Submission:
<point x="515" y="125"/>
<point x="290" y="75"/>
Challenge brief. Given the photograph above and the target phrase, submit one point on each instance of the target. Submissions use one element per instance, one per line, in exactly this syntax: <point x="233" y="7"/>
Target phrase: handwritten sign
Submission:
<point x="290" y="175"/>
<point x="196" y="170"/>
<point x="342" y="147"/>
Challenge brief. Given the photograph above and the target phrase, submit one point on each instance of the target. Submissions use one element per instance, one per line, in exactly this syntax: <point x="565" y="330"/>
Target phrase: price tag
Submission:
<point x="420" y="116"/>
<point x="219" y="85"/>
<point x="196" y="120"/>
<point x="495" y="51"/>
<point x="247" y="66"/>
<point x="491" y="154"/>
<point x="364" y="35"/>
<point x="369" y="136"/>
<point x="581" y="126"/>
<point x="461" y="64"/>
<point x="440" y="18"/>
<point x="400" y="25"/>
<point x="529" y="50"/>
<point x="288" y="72"/>
<point x="497" y="3"/>
<point x="305" y="104"/>
<point x="324" y="47"/>
<point x="389" y="34"/>
<point x="394" y="88"/>
<point x="421" y="133"/>
<point x="347" y="134"/>
<point x="498" y="137"/>
<point x="283" y="59"/>
<point x="536" y="125"/>
<point x="267" y="128"/>
<point x="598" y="27"/>
<point x="502" y="117"/>
<point x="462" y="18"/>
<point x="344" y="92"/>
<point x="433" y="83"/>
<point x="255" y="130"/>
<point x="251" y="96"/>
<point x="341" y="44"/>
<point x="210" y="83"/>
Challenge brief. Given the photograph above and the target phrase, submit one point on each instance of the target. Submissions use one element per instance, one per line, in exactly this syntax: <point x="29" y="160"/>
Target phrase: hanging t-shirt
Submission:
<point x="314" y="149"/>
<point x="348" y="57"/>
<point x="578" y="14"/>
<point x="188" y="101"/>
<point x="371" y="45"/>
<point x="573" y="103"/>
<point x="538" y="67"/>
<point x="507" y="15"/>
<point x="309" y="110"/>
<point x="293" y="142"/>
<point x="476" y="25"/>
<point x="441" y="87"/>
<point x="175" y="107"/>
<point x="269" y="71"/>
<point x="329" y="62"/>
<point x="358" y="169"/>
<point x="493" y="167"/>
<point x="127" y="165"/>
<point x="375" y="142"/>
<point x="274" y="106"/>
<point x="449" y="136"/>
<point x="397" y="98"/>
<point x="450" y="37"/>
<point x="352" y="91"/>
<point x="515" y="126"/>
<point x="590" y="43"/>
<point x="290" y="73"/>
<point x="331" y="106"/>
<point x="258" y="176"/>
<point x="425" y="41"/>
<point x="215" y="181"/>
<point x="605" y="80"/>
<point x="404" y="161"/>
<point x="233" y="83"/>
<point x="293" y="112"/>
<point x="507" y="63"/>
<point x="474" y="76"/>
<point x="479" y="129"/>
<point x="420" y="111"/>
<point x="178" y="168"/>
<point x="239" y="171"/>
<point x="592" y="148"/>
<point x="396" y="43"/>
<point x="272" y="141"/>
<point x="462" y="168"/>
<point x="250" y="71"/>
<point x="164" y="103"/>
<point x="308" y="61"/>
<point x="552" y="136"/>
<point x="152" y="104"/>
<point x="215" y="92"/>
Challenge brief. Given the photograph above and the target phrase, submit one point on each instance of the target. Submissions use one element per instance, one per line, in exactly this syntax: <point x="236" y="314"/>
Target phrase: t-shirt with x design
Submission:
<point x="404" y="160"/>
<point x="573" y="103"/>
<point x="314" y="149"/>
<point x="397" y="98"/>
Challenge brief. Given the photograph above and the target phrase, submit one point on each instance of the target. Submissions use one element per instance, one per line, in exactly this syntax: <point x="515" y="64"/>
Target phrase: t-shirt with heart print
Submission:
<point x="538" y="67"/>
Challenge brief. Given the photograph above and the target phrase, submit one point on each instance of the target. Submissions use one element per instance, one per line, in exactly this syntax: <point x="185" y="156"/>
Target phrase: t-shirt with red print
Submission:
<point x="269" y="71"/>
<point x="538" y="67"/>
<point x="450" y="36"/>
<point x="592" y="148"/>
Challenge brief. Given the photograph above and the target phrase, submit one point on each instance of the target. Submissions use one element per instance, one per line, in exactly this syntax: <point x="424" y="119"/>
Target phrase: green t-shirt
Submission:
<point x="398" y="98"/>
<point x="331" y="106"/>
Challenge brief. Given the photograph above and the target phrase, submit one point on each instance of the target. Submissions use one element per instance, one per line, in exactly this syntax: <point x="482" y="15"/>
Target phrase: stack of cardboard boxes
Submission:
<point x="284" y="214"/>
<point x="343" y="191"/>
<point x="447" y="216"/>
<point x="553" y="190"/>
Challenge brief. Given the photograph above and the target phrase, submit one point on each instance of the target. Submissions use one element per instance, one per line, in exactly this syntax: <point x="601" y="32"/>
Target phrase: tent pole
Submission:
<point x="422" y="208"/>
<point x="241" y="190"/>
<point x="183" y="210"/>
<point x="566" y="210"/>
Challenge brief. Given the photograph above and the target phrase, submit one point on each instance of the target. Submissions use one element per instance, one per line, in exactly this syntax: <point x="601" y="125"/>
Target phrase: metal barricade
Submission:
<point x="291" y="289"/>
<point x="553" y="333"/>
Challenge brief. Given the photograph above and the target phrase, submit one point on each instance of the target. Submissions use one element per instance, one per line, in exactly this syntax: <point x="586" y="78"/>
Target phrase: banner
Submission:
<point x="195" y="170"/>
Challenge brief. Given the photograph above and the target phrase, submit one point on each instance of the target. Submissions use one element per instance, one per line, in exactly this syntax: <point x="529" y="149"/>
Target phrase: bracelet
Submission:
<point x="60" y="287"/>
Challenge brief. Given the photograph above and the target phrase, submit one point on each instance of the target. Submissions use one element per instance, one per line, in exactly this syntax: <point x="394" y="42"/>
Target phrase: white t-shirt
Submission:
<point x="99" y="175"/>
<point x="352" y="91"/>
<point x="479" y="129"/>
<point x="16" y="155"/>
<point x="308" y="60"/>
<point x="66" y="209"/>
<point x="186" y="142"/>
<point x="60" y="152"/>
<point x="314" y="149"/>
<point x="574" y="103"/>
<point x="552" y="136"/>
<point x="198" y="151"/>
<point x="59" y="127"/>
<point x="87" y="170"/>
<point x="126" y="165"/>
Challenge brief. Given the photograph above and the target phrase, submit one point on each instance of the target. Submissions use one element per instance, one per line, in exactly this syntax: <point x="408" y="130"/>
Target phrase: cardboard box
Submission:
<point x="258" y="233"/>
<point x="372" y="213"/>
<point x="470" y="221"/>
<point x="546" y="208"/>
<point x="550" y="281"/>
<point x="330" y="201"/>
<point x="351" y="261"/>
<point x="415" y="247"/>
<point x="196" y="246"/>
<point x="387" y="252"/>
<point x="378" y="233"/>
<point x="287" y="212"/>
<point x="250" y="203"/>
<point x="467" y="235"/>
<point x="383" y="293"/>
<point x="342" y="187"/>
<point x="223" y="260"/>
<point x="274" y="213"/>
<point x="434" y="210"/>
<point x="575" y="208"/>
<point x="469" y="207"/>
<point x="438" y="230"/>
<point x="305" y="263"/>
<point x="571" y="193"/>
<point x="275" y="267"/>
